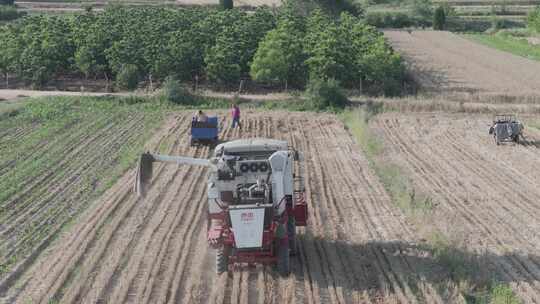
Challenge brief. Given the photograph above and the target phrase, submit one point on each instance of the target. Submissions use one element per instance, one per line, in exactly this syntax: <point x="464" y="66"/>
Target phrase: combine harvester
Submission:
<point x="255" y="200"/>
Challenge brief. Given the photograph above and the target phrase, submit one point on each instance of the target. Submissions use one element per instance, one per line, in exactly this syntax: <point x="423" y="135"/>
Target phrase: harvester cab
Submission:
<point x="255" y="200"/>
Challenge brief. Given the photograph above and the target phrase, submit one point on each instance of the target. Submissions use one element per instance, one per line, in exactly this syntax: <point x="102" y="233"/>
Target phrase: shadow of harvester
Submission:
<point x="382" y="269"/>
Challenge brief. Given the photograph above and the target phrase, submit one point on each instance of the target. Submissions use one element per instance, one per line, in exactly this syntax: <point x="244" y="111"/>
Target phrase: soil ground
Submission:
<point x="485" y="196"/>
<point x="444" y="62"/>
<point x="358" y="247"/>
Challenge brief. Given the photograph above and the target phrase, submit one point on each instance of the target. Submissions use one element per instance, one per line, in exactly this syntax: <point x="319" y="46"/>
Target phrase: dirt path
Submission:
<point x="488" y="195"/>
<point x="357" y="248"/>
<point x="6" y="94"/>
<point x="442" y="61"/>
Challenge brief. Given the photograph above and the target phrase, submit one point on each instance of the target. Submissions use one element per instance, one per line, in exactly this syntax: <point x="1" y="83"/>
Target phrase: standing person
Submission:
<point x="201" y="116"/>
<point x="236" y="116"/>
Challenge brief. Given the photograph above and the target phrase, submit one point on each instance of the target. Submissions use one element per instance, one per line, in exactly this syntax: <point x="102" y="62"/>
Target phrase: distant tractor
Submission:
<point x="204" y="132"/>
<point x="506" y="128"/>
<point x="255" y="200"/>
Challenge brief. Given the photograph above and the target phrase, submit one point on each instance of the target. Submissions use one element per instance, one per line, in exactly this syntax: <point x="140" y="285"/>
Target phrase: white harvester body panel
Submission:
<point x="247" y="226"/>
<point x="282" y="178"/>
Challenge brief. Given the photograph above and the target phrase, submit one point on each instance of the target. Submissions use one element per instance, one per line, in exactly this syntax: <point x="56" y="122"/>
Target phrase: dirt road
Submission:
<point x="486" y="196"/>
<point x="442" y="61"/>
<point x="357" y="246"/>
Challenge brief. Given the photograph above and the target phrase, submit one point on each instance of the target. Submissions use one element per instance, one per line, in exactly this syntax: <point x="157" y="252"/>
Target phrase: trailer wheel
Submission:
<point x="222" y="259"/>
<point x="283" y="263"/>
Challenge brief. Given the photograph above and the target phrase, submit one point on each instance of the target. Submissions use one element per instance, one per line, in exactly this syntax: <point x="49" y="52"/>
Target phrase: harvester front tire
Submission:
<point x="283" y="263"/>
<point x="222" y="260"/>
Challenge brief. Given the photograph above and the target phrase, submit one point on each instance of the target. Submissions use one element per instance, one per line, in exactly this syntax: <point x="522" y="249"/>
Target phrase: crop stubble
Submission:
<point x="487" y="194"/>
<point x="357" y="246"/>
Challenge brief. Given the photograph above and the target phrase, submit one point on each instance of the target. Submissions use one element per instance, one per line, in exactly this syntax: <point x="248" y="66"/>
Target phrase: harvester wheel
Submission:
<point x="222" y="259"/>
<point x="283" y="263"/>
<point x="291" y="231"/>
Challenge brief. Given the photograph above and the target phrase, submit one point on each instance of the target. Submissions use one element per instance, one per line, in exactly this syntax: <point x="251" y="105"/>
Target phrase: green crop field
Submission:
<point x="56" y="155"/>
<point x="516" y="46"/>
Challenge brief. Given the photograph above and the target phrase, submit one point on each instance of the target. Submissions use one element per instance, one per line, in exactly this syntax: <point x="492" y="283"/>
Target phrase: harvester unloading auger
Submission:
<point x="255" y="200"/>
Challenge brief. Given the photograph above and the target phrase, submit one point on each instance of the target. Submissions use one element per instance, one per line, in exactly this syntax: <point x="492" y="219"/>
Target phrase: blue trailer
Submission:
<point x="204" y="132"/>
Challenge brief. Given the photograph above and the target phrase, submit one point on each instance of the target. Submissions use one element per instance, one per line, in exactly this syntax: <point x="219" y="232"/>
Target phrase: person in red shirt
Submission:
<point x="236" y="116"/>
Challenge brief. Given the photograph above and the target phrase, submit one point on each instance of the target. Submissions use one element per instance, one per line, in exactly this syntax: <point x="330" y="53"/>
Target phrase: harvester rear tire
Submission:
<point x="283" y="263"/>
<point x="222" y="260"/>
<point x="291" y="230"/>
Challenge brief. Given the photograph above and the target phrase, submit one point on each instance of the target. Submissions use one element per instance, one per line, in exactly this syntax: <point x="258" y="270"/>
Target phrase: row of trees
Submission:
<point x="319" y="46"/>
<point x="221" y="46"/>
<point x="533" y="20"/>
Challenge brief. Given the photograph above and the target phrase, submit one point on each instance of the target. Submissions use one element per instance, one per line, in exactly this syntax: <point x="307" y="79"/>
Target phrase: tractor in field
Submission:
<point x="255" y="200"/>
<point x="506" y="128"/>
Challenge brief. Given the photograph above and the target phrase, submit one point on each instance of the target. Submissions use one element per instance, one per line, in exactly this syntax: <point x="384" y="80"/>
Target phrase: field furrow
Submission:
<point x="476" y="184"/>
<point x="154" y="250"/>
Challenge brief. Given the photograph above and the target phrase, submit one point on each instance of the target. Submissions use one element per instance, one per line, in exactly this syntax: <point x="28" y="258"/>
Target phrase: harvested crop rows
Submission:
<point x="487" y="194"/>
<point x="357" y="246"/>
<point x="442" y="61"/>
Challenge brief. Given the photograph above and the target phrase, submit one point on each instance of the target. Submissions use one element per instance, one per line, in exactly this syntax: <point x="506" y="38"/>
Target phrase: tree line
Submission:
<point x="285" y="47"/>
<point x="533" y="19"/>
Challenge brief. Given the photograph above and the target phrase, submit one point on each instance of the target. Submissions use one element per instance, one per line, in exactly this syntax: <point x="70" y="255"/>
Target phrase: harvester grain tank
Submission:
<point x="255" y="200"/>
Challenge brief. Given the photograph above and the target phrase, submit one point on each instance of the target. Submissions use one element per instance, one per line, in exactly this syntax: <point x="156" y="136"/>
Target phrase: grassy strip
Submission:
<point x="465" y="270"/>
<point x="516" y="46"/>
<point x="395" y="181"/>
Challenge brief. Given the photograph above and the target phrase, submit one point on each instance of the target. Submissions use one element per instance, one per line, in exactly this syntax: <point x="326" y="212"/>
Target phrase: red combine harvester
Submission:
<point x="255" y="200"/>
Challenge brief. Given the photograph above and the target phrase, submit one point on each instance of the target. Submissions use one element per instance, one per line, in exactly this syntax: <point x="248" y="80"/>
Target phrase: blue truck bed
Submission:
<point x="204" y="132"/>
